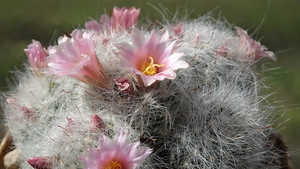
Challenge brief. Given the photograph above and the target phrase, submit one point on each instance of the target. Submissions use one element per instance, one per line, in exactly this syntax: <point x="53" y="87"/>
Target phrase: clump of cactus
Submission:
<point x="116" y="95"/>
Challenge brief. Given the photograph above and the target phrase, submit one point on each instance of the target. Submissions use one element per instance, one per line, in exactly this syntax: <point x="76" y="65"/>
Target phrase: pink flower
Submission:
<point x="93" y="25"/>
<point x="222" y="51"/>
<point x="76" y="57"/>
<point x="29" y="114"/>
<point x="124" y="85"/>
<point x="37" y="56"/>
<point x="178" y="29"/>
<point x="96" y="124"/>
<point x="10" y="100"/>
<point x="253" y="48"/>
<point x="115" y="153"/>
<point x="104" y="25"/>
<point x="124" y="18"/>
<point x="70" y="125"/>
<point x="151" y="59"/>
<point x="41" y="162"/>
<point x="121" y="19"/>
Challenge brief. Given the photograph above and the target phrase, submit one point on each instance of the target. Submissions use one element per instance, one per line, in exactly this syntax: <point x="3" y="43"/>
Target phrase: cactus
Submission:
<point x="114" y="95"/>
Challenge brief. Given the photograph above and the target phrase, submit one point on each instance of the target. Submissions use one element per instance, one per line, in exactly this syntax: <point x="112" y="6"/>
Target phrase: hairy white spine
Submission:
<point x="209" y="116"/>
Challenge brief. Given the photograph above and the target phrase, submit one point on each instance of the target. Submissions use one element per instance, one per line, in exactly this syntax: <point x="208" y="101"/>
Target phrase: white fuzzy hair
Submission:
<point x="209" y="116"/>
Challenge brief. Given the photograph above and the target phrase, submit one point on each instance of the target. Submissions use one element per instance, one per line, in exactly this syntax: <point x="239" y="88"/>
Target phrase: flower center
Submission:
<point x="150" y="68"/>
<point x="113" y="165"/>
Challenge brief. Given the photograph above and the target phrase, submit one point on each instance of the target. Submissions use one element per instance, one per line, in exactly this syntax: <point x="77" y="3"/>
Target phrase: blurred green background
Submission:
<point x="278" y="20"/>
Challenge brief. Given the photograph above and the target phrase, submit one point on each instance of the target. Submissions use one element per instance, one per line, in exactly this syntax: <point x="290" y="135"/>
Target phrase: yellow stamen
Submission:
<point x="150" y="68"/>
<point x="113" y="165"/>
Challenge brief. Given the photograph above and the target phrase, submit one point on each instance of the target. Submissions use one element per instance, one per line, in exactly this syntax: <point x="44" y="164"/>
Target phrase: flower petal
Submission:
<point x="151" y="59"/>
<point x="76" y="57"/>
<point x="117" y="150"/>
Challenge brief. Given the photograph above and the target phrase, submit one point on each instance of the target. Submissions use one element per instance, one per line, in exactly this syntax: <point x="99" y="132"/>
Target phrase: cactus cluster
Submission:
<point x="115" y="94"/>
